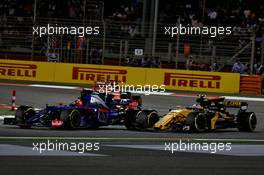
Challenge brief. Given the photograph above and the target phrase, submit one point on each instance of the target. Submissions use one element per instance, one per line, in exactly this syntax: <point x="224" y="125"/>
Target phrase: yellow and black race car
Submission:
<point x="206" y="115"/>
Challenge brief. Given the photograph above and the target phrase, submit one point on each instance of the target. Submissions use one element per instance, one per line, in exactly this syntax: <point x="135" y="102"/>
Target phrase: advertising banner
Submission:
<point x="201" y="81"/>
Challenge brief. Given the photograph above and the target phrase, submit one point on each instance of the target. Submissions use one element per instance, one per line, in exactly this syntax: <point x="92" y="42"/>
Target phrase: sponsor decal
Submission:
<point x="56" y="123"/>
<point x="98" y="74"/>
<point x="192" y="80"/>
<point x="18" y="70"/>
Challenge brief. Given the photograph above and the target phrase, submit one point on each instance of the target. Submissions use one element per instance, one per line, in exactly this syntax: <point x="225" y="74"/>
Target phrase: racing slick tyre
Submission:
<point x="197" y="122"/>
<point x="147" y="118"/>
<point x="130" y="118"/>
<point x="71" y="119"/>
<point x="247" y="121"/>
<point x="23" y="113"/>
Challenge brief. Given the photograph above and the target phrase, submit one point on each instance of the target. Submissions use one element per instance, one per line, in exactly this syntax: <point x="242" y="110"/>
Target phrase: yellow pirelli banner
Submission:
<point x="88" y="74"/>
<point x="27" y="70"/>
<point x="202" y="81"/>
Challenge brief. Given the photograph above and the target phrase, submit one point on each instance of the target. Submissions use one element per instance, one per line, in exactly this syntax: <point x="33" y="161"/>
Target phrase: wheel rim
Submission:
<point x="152" y="118"/>
<point x="252" y="122"/>
<point x="75" y="120"/>
<point x="200" y="123"/>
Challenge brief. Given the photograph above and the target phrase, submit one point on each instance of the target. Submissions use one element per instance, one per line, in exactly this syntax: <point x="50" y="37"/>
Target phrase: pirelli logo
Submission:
<point x="98" y="74"/>
<point x="18" y="70"/>
<point x="192" y="80"/>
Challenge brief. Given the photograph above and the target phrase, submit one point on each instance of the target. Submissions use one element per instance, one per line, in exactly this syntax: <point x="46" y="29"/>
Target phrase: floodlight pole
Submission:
<point x="262" y="47"/>
<point x="155" y="28"/>
<point x="84" y="11"/>
<point x="34" y="20"/>
<point x="201" y="39"/>
<point x="177" y="45"/>
<point x="252" y="53"/>
<point x="143" y="25"/>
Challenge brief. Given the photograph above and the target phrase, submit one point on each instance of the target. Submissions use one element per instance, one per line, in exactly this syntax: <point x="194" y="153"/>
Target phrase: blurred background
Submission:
<point x="132" y="33"/>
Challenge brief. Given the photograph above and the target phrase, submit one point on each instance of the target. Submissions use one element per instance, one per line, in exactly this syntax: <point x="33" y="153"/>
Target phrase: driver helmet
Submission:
<point x="78" y="103"/>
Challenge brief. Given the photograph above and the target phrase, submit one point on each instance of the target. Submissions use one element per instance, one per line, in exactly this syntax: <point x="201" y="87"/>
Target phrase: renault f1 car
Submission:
<point x="206" y="115"/>
<point x="90" y="110"/>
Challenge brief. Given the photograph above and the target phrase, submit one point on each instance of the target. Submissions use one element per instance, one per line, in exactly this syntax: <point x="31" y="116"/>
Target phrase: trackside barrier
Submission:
<point x="184" y="80"/>
<point x="250" y="84"/>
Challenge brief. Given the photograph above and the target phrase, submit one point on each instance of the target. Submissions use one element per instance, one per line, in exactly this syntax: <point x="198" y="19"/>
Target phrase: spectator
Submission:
<point x="144" y="62"/>
<point x="261" y="70"/>
<point x="95" y="56"/>
<point x="256" y="67"/>
<point x="246" y="69"/>
<point x="214" y="67"/>
<point x="238" y="67"/>
<point x="133" y="30"/>
<point x="189" y="63"/>
<point x="127" y="60"/>
<point x="156" y="62"/>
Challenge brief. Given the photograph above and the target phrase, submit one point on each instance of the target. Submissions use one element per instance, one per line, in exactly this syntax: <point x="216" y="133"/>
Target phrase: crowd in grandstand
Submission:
<point x="129" y="17"/>
<point x="241" y="68"/>
<point x="128" y="14"/>
<point x="143" y="62"/>
<point x="48" y="8"/>
<point x="240" y="13"/>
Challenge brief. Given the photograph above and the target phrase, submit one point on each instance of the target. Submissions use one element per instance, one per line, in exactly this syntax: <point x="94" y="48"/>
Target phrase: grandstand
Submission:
<point x="129" y="25"/>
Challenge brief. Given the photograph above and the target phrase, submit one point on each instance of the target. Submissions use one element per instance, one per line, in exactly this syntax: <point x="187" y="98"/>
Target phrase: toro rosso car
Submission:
<point x="207" y="115"/>
<point x="90" y="110"/>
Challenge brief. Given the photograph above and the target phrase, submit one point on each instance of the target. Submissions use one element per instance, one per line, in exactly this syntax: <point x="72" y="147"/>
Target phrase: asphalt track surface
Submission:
<point x="122" y="160"/>
<point x="39" y="97"/>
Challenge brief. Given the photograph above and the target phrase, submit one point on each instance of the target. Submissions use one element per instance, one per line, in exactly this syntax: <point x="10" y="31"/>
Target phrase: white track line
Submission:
<point x="6" y="116"/>
<point x="236" y="150"/>
<point x="132" y="138"/>
<point x="244" y="98"/>
<point x="232" y="140"/>
<point x="54" y="86"/>
<point x="152" y="93"/>
<point x="16" y="150"/>
<point x="260" y="99"/>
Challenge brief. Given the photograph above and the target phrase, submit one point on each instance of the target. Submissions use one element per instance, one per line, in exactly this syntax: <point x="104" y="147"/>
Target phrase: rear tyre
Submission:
<point x="71" y="119"/>
<point x="147" y="118"/>
<point x="130" y="119"/>
<point x="23" y="113"/>
<point x="247" y="121"/>
<point x="197" y="122"/>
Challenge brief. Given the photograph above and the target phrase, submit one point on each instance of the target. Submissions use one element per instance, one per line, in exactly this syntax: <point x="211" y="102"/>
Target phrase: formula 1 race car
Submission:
<point x="88" y="111"/>
<point x="207" y="115"/>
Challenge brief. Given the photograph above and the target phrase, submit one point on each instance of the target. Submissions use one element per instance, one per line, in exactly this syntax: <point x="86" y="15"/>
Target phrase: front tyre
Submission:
<point x="23" y="113"/>
<point x="130" y="118"/>
<point x="147" y="118"/>
<point x="197" y="122"/>
<point x="247" y="121"/>
<point x="71" y="119"/>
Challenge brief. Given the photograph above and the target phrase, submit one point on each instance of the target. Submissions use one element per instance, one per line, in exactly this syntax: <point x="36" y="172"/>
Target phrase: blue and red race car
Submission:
<point x="91" y="110"/>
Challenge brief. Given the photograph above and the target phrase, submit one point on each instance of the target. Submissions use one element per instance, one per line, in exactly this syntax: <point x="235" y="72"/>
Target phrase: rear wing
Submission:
<point x="235" y="104"/>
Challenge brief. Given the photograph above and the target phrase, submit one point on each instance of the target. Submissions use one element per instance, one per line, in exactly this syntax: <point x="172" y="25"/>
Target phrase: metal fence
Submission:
<point x="117" y="40"/>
